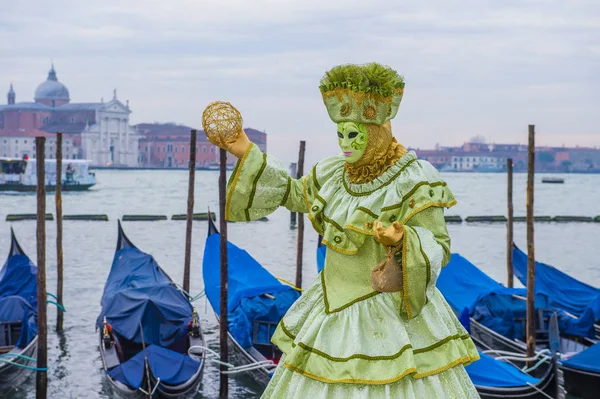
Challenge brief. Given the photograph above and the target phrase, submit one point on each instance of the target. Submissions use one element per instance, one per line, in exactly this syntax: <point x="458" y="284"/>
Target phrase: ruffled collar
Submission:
<point x="383" y="180"/>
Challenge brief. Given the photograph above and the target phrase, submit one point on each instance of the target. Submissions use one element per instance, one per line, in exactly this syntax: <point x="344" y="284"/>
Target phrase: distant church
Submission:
<point x="98" y="131"/>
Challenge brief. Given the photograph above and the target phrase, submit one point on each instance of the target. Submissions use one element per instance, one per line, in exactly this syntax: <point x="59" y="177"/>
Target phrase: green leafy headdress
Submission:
<point x="368" y="93"/>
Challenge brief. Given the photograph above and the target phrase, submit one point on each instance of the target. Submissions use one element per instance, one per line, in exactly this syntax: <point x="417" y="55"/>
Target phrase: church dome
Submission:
<point x="51" y="89"/>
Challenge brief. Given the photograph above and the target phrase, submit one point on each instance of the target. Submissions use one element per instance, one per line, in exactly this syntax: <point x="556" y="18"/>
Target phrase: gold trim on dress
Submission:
<point x="254" y="184"/>
<point x="405" y="275"/>
<point x="236" y="176"/>
<point x="428" y="205"/>
<point x="326" y="301"/>
<point x="287" y="190"/>
<point x="314" y="173"/>
<point x="411" y="192"/>
<point x="462" y="360"/>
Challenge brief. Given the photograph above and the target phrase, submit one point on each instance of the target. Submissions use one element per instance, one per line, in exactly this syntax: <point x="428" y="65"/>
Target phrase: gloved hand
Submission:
<point x="390" y="236"/>
<point x="237" y="147"/>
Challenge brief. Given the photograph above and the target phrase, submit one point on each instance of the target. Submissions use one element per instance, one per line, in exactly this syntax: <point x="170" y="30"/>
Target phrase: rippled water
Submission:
<point x="75" y="369"/>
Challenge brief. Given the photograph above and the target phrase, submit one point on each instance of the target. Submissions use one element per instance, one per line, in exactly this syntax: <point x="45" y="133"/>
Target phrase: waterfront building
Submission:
<point x="167" y="145"/>
<point x="98" y="131"/>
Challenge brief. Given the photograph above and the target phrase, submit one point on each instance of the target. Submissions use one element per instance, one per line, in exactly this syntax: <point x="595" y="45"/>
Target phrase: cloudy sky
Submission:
<point x="483" y="67"/>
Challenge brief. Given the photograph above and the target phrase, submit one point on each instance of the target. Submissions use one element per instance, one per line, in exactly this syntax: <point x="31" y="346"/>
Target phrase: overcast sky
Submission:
<point x="484" y="67"/>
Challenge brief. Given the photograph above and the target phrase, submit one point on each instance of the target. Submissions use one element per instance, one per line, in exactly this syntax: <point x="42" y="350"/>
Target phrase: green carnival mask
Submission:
<point x="352" y="138"/>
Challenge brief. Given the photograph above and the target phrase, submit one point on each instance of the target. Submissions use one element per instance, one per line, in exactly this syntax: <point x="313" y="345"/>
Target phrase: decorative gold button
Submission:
<point x="337" y="239"/>
<point x="393" y="218"/>
<point x="315" y="208"/>
<point x="369" y="225"/>
<point x="411" y="203"/>
<point x="431" y="193"/>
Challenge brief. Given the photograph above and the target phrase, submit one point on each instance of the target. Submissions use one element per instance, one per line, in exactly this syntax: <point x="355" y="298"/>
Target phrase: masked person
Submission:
<point x="373" y="324"/>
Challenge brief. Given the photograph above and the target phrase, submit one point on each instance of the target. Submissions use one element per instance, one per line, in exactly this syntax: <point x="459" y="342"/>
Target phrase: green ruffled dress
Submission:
<point x="342" y="339"/>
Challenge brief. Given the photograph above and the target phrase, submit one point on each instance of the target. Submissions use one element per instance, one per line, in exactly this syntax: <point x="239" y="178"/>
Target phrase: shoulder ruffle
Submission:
<point x="344" y="212"/>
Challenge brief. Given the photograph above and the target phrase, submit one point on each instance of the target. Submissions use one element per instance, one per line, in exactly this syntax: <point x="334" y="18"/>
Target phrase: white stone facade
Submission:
<point x="111" y="141"/>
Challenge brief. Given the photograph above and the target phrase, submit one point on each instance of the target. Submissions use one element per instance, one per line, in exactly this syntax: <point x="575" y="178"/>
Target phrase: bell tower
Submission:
<point x="11" y="95"/>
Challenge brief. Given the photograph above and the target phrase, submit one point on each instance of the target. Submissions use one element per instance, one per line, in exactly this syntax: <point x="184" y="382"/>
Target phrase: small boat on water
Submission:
<point x="256" y="302"/>
<point x="150" y="337"/>
<point x="553" y="180"/>
<point x="497" y="316"/>
<point x="19" y="175"/>
<point x="494" y="378"/>
<point x="18" y="317"/>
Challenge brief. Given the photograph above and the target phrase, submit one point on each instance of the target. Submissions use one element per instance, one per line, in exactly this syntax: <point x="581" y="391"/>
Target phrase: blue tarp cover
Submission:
<point x="321" y="251"/>
<point x="18" y="296"/>
<point x="138" y="290"/>
<point x="15" y="308"/>
<point x="587" y="360"/>
<point x="489" y="372"/>
<point x="171" y="367"/>
<point x="560" y="290"/>
<point x="493" y="305"/>
<point x="18" y="277"/>
<point x="247" y="282"/>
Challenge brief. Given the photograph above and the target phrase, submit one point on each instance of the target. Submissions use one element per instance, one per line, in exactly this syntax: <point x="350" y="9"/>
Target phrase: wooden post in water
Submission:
<point x="59" y="233"/>
<point x="223" y="332"/>
<point x="190" y="213"/>
<point x="509" y="225"/>
<point x="530" y="246"/>
<point x="41" y="378"/>
<point x="300" y="246"/>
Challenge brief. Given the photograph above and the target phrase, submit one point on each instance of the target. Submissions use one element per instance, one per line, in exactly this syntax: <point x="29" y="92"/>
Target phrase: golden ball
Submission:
<point x="222" y="123"/>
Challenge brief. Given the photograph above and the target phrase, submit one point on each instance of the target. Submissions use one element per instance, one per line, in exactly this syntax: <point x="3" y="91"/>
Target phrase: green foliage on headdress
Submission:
<point x="369" y="78"/>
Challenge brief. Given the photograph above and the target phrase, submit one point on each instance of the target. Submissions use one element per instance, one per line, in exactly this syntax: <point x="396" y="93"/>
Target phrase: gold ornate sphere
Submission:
<point x="222" y="123"/>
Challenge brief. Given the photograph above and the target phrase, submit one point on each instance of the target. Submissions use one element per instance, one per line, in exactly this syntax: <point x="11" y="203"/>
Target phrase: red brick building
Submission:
<point x="167" y="145"/>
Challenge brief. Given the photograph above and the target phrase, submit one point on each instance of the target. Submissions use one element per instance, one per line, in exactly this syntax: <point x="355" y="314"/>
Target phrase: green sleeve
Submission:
<point x="425" y="250"/>
<point x="260" y="184"/>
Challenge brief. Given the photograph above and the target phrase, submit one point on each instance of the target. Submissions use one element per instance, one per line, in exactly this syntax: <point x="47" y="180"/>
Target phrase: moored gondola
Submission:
<point x="495" y="379"/>
<point x="150" y="337"/>
<point x="560" y="290"/>
<point x="497" y="323"/>
<point x="18" y="317"/>
<point x="256" y="303"/>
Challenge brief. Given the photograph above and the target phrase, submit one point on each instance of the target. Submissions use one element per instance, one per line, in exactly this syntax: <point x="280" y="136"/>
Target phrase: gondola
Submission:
<point x="582" y="371"/>
<point x="559" y="289"/>
<point x="493" y="378"/>
<point x="18" y="317"/>
<point x="497" y="321"/>
<point x="151" y="342"/>
<point x="256" y="303"/>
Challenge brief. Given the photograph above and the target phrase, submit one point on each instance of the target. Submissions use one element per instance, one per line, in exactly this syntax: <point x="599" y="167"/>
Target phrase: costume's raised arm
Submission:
<point x="260" y="184"/>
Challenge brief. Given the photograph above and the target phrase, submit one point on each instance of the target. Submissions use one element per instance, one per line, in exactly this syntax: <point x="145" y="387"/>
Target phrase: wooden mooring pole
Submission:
<point x="41" y="379"/>
<point x="300" y="245"/>
<point x="223" y="332"/>
<point x="190" y="212"/>
<point x="530" y="246"/>
<point x="509" y="225"/>
<point x="59" y="233"/>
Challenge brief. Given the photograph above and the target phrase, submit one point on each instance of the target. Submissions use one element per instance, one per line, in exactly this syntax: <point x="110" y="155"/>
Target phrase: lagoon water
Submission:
<point x="75" y="369"/>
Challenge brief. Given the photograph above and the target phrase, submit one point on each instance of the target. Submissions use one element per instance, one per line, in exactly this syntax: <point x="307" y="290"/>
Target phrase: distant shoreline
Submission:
<point x="149" y="168"/>
<point x="229" y="168"/>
